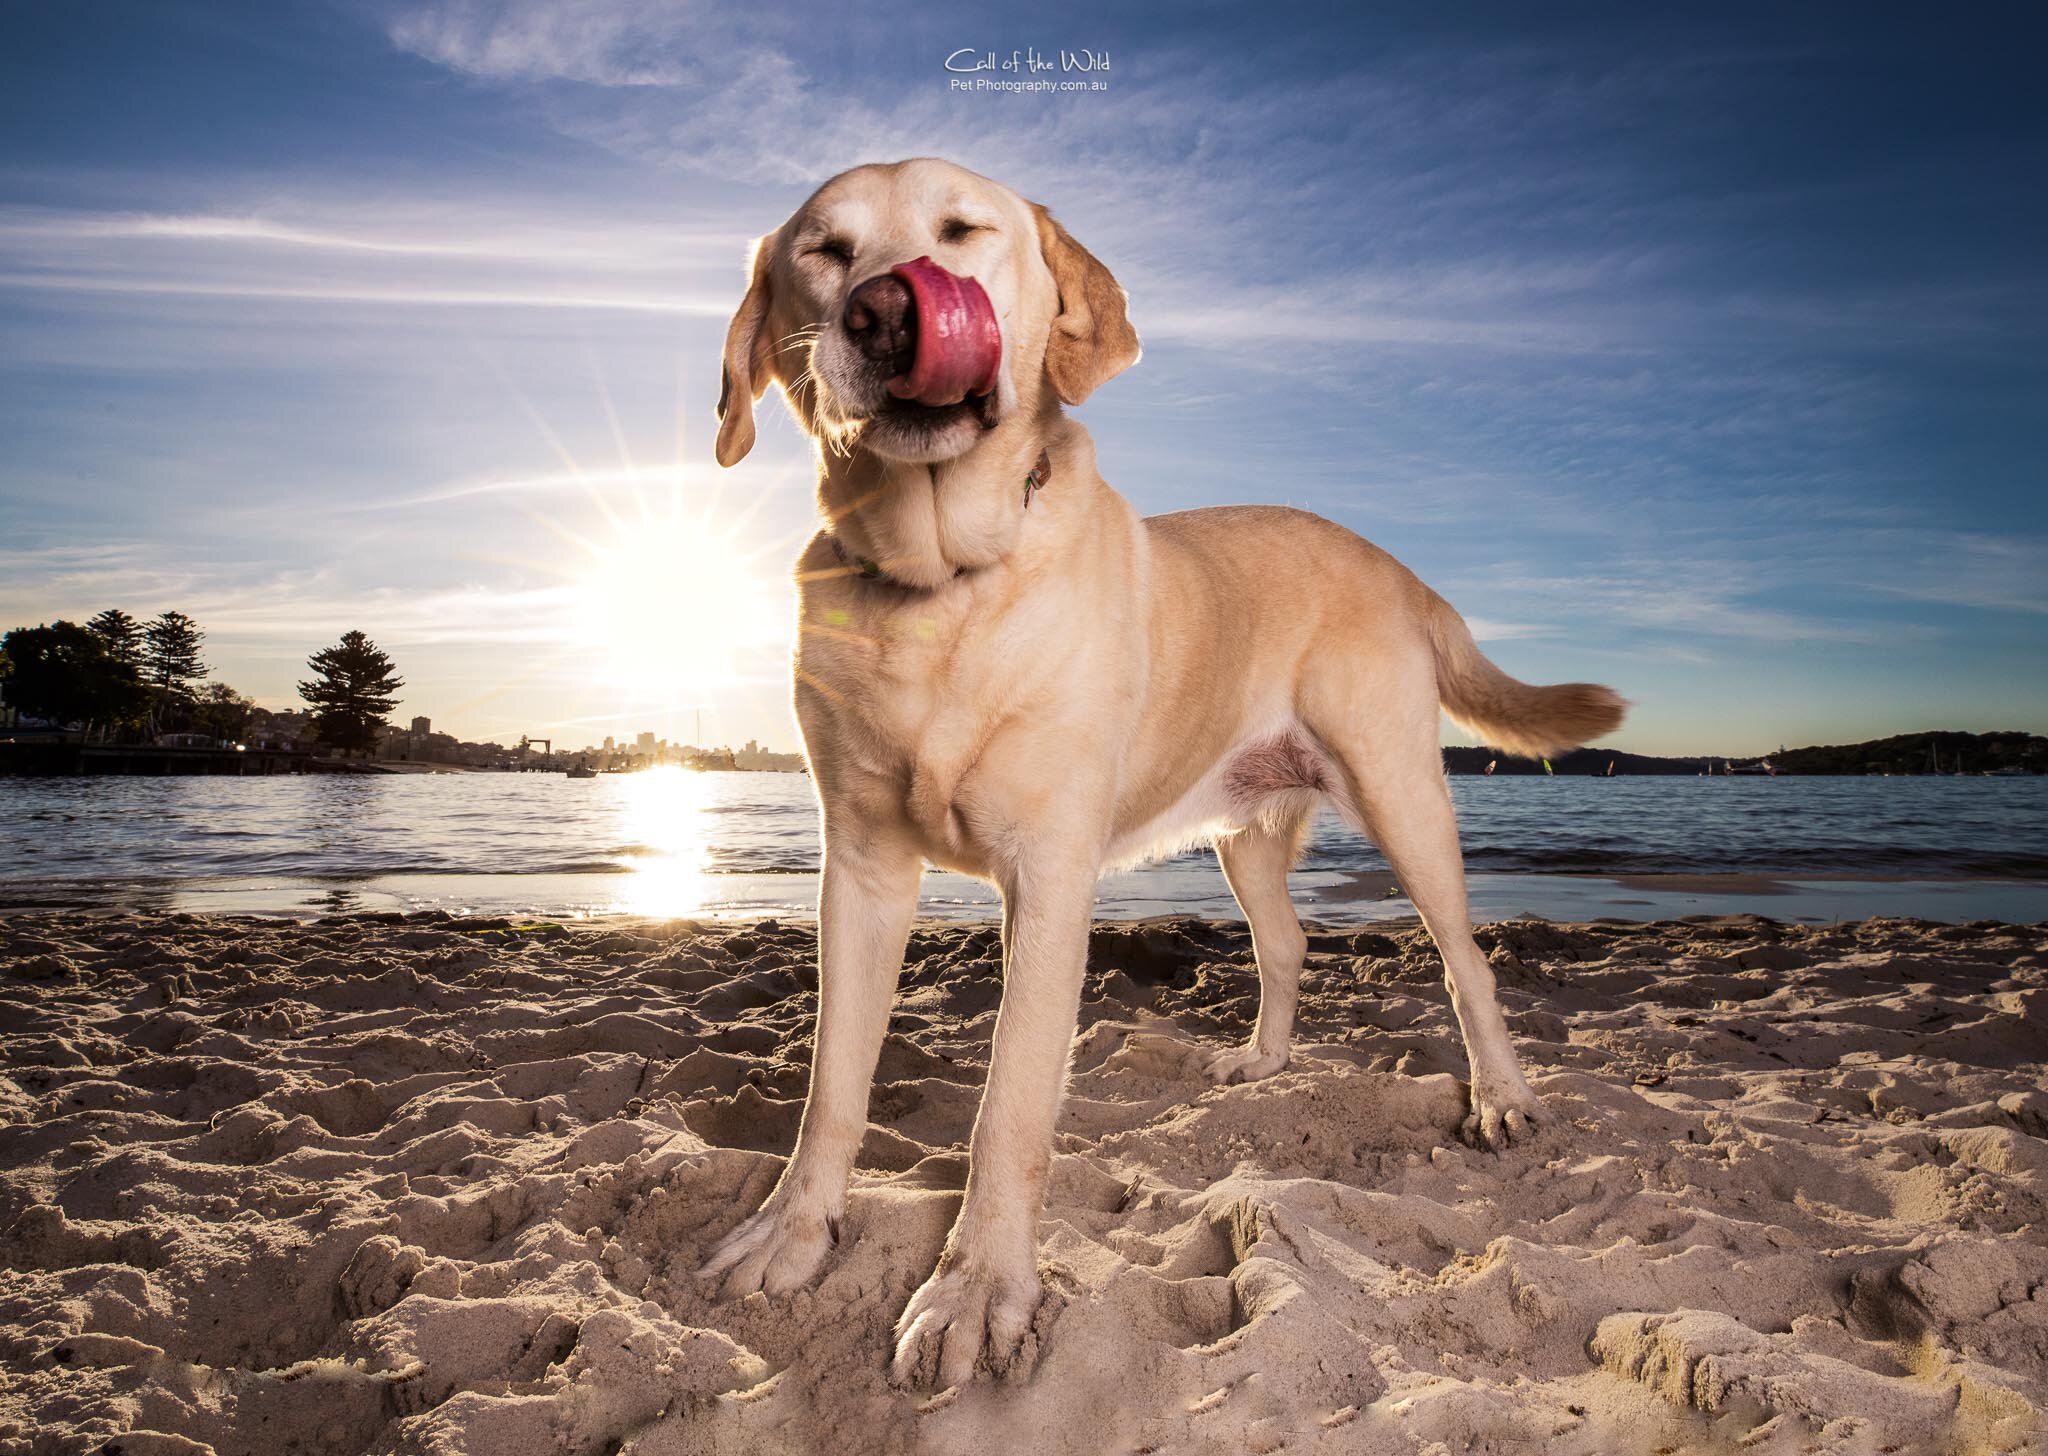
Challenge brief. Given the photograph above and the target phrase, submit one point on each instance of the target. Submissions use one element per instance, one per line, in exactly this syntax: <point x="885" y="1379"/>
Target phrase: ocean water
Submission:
<point x="670" y="842"/>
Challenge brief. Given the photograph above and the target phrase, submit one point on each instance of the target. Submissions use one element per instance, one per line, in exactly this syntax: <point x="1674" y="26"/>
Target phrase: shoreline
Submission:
<point x="1341" y="897"/>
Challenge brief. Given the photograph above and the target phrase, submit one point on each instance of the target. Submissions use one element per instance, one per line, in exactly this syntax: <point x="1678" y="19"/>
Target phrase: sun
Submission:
<point x="673" y="610"/>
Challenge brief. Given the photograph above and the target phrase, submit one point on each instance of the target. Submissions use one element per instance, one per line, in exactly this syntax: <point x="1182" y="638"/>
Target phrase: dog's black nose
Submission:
<point x="881" y="319"/>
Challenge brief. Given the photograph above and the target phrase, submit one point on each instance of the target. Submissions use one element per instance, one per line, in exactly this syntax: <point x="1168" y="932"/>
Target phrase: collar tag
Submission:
<point x="1035" y="480"/>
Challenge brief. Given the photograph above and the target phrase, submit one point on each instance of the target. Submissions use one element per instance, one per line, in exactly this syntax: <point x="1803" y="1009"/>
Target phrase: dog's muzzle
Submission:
<point x="933" y="331"/>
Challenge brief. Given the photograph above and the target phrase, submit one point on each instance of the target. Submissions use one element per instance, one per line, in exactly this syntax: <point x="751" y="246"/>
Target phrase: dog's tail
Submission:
<point x="1512" y="715"/>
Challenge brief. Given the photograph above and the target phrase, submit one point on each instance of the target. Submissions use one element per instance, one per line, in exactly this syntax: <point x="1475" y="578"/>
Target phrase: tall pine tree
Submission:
<point x="122" y="634"/>
<point x="351" y="693"/>
<point x="170" y="655"/>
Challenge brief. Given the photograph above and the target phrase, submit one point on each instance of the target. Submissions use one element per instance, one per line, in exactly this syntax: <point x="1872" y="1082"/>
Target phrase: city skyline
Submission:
<point x="411" y="738"/>
<point x="1696" y="360"/>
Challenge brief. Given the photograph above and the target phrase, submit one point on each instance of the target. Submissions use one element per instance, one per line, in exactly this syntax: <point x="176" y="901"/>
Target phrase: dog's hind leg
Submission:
<point x="1391" y="772"/>
<point x="1255" y="862"/>
<point x="865" y="905"/>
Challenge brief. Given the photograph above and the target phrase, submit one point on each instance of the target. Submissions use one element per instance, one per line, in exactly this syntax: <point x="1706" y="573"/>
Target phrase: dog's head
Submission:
<point x="908" y="309"/>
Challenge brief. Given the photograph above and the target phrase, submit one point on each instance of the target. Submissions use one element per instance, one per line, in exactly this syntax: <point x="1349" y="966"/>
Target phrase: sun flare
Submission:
<point x="672" y="609"/>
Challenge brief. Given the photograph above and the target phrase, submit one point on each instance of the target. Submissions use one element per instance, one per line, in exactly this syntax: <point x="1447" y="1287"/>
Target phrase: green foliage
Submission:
<point x="351" y="692"/>
<point x="64" y="673"/>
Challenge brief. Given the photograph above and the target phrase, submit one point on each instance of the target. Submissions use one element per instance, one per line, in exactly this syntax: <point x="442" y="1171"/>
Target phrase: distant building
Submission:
<point x="765" y="760"/>
<point x="286" y="728"/>
<point x="645" y="743"/>
<point x="421" y="727"/>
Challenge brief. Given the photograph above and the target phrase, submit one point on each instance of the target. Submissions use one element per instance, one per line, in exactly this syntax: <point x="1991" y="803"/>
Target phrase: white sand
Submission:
<point x="440" y="1186"/>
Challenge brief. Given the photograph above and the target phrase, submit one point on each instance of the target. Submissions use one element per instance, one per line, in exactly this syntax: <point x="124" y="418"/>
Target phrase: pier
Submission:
<point x="72" y="759"/>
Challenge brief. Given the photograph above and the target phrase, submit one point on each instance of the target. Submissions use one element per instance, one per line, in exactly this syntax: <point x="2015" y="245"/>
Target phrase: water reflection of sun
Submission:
<point x="667" y="817"/>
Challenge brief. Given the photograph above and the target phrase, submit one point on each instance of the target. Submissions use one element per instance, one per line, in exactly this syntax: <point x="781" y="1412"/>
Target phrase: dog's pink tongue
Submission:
<point x="959" y="346"/>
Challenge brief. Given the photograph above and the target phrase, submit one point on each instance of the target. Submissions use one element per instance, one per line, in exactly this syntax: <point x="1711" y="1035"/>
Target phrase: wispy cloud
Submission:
<point x="1558" y="243"/>
<point x="467" y="228"/>
<point x="389" y="297"/>
<point x="397" y="255"/>
<point x="597" y="42"/>
<point x="1954" y="568"/>
<point x="67" y="227"/>
<point x="77" y="581"/>
<point x="1675" y="595"/>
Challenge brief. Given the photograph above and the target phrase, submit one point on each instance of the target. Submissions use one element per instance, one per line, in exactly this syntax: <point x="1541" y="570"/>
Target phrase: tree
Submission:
<point x="221" y="712"/>
<point x="122" y="634"/>
<point x="171" y="667"/>
<point x="63" y="673"/>
<point x="170" y="655"/>
<point x="351" y="694"/>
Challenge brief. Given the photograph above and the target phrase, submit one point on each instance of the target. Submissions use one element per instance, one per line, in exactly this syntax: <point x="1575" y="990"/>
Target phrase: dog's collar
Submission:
<point x="1035" y="480"/>
<point x="1038" y="477"/>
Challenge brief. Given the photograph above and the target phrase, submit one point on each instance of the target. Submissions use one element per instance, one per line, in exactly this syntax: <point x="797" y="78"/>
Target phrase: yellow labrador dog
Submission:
<point x="1004" y="671"/>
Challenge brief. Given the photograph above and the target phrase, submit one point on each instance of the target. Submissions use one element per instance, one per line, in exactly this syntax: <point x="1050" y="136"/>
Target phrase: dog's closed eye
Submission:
<point x="956" y="230"/>
<point x="838" y="250"/>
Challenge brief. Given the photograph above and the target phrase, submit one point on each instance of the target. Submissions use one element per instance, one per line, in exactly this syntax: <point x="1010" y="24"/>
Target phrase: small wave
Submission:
<point x="338" y="830"/>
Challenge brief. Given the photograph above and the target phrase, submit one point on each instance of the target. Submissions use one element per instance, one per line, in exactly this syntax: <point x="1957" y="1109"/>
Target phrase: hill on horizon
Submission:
<point x="1903" y="753"/>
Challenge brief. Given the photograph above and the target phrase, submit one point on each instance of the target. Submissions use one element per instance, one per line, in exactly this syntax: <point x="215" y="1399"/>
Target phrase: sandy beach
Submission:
<point x="440" y="1185"/>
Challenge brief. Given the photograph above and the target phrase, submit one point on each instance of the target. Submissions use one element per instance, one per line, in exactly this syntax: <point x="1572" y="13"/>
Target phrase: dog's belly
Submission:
<point x="1263" y="776"/>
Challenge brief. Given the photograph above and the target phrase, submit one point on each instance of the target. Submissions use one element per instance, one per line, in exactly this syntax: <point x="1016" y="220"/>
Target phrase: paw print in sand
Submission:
<point x="378" y="1276"/>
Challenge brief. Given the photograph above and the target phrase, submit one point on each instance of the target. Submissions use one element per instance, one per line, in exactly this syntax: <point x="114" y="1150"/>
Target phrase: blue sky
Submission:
<point x="1696" y="353"/>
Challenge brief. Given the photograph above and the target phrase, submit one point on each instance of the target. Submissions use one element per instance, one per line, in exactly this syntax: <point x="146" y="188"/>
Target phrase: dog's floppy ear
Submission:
<point x="748" y="359"/>
<point x="1092" y="340"/>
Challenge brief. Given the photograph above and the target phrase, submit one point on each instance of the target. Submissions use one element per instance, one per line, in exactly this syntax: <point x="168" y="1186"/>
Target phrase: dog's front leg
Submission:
<point x="865" y="907"/>
<point x="976" y="1308"/>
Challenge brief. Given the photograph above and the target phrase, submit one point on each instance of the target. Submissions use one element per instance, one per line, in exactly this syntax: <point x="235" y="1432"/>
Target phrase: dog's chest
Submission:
<point x="892" y="677"/>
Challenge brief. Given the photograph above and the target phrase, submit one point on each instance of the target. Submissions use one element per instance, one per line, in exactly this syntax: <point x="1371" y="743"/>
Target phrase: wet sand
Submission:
<point x="1351" y="897"/>
<point x="435" y="1184"/>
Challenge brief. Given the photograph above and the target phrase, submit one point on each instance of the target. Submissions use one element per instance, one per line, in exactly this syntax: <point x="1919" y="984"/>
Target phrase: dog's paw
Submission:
<point x="775" y="1251"/>
<point x="1243" y="1064"/>
<point x="1506" y="1112"/>
<point x="963" y="1320"/>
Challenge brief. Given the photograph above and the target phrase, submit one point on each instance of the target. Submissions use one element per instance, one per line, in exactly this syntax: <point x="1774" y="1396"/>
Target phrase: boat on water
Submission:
<point x="582" y="771"/>
<point x="1762" y="768"/>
